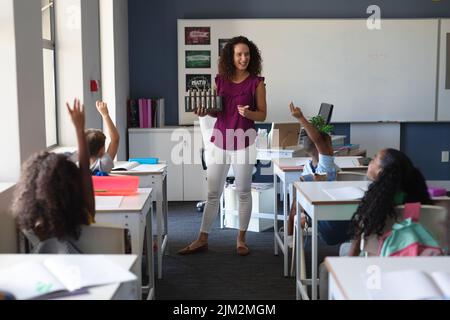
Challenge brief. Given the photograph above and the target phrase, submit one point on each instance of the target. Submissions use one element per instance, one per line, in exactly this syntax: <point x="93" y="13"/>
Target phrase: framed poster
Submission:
<point x="197" y="35"/>
<point x="222" y="43"/>
<point x="198" y="81"/>
<point x="198" y="59"/>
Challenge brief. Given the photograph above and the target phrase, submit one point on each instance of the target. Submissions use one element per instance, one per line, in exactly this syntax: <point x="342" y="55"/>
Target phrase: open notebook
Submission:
<point x="345" y="193"/>
<point x="411" y="285"/>
<point x="59" y="276"/>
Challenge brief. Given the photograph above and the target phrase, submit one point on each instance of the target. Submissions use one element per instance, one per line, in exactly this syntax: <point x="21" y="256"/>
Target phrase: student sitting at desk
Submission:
<point x="318" y="146"/>
<point x="54" y="197"/>
<point x="102" y="162"/>
<point x="395" y="182"/>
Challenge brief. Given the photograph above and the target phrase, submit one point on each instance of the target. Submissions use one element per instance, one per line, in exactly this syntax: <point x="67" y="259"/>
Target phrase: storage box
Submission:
<point x="262" y="203"/>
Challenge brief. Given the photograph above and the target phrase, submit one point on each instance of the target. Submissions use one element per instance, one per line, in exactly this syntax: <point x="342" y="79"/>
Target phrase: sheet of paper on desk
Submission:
<point x="60" y="275"/>
<point x="346" y="162"/>
<point x="345" y="193"/>
<point x="76" y="272"/>
<point x="408" y="285"/>
<point x="108" y="202"/>
<point x="149" y="167"/>
<point x="27" y="280"/>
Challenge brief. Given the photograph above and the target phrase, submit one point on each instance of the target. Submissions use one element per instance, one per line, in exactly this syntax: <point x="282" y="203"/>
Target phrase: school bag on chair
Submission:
<point x="409" y="238"/>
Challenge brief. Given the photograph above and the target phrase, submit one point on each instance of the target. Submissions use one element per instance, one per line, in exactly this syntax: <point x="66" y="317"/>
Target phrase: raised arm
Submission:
<point x="76" y="113"/>
<point x="113" y="134"/>
<point x="322" y="145"/>
<point x="261" y="105"/>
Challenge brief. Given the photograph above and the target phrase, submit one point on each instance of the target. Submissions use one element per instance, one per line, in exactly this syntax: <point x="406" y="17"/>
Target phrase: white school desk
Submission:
<point x="134" y="214"/>
<point x="155" y="178"/>
<point x="296" y="151"/>
<point x="289" y="171"/>
<point x="320" y="206"/>
<point x="116" y="291"/>
<point x="345" y="273"/>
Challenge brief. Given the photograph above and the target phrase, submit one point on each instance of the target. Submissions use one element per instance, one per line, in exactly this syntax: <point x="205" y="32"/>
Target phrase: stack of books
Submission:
<point x="145" y="113"/>
<point x="344" y="149"/>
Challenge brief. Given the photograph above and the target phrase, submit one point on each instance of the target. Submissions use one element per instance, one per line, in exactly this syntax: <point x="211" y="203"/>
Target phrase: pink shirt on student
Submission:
<point x="235" y="132"/>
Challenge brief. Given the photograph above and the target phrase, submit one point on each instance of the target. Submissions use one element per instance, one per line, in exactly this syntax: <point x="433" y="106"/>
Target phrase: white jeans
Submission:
<point x="218" y="162"/>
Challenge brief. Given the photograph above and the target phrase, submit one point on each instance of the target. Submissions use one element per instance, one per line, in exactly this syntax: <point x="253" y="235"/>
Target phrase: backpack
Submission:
<point x="409" y="238"/>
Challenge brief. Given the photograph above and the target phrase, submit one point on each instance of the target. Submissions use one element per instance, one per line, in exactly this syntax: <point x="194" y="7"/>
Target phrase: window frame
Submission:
<point x="51" y="45"/>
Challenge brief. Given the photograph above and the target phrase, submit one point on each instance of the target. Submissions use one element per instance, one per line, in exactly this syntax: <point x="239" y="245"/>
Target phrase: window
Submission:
<point x="48" y="48"/>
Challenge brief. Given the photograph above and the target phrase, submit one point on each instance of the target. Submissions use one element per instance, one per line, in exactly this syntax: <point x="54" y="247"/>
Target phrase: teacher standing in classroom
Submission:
<point x="243" y="95"/>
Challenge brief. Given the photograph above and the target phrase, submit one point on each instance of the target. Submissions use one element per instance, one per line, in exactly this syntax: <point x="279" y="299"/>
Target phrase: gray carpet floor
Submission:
<point x="219" y="273"/>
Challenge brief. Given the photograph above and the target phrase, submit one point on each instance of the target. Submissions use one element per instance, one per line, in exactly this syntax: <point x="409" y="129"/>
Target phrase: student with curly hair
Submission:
<point x="102" y="159"/>
<point x="244" y="101"/>
<point x="395" y="182"/>
<point x="54" y="197"/>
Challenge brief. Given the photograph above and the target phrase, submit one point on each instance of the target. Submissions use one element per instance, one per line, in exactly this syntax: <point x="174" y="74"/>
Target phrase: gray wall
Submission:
<point x="153" y="51"/>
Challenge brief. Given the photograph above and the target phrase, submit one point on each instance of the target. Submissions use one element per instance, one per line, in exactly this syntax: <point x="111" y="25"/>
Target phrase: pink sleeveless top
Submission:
<point x="232" y="131"/>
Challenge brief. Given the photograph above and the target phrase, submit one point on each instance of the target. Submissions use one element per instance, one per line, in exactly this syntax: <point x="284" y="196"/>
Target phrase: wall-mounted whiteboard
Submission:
<point x="444" y="72"/>
<point x="369" y="75"/>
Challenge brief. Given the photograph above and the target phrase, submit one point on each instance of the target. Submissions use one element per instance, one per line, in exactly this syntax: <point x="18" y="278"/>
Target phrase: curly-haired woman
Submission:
<point x="395" y="182"/>
<point x="54" y="197"/>
<point x="244" y="101"/>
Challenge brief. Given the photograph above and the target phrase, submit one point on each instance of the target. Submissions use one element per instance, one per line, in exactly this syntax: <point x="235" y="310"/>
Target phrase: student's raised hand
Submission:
<point x="296" y="112"/>
<point x="102" y="108"/>
<point x="76" y="113"/>
<point x="243" y="110"/>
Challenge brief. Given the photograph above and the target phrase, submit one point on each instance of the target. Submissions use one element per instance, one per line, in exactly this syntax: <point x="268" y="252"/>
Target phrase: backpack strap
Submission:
<point x="412" y="210"/>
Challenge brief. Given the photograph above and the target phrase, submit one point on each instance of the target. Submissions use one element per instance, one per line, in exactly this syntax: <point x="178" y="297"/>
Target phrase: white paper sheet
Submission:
<point x="345" y="193"/>
<point x="108" y="202"/>
<point x="32" y="279"/>
<point x="82" y="271"/>
<point x="346" y="162"/>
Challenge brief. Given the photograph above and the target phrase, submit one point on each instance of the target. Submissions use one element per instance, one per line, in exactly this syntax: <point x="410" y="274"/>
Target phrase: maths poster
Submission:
<point x="198" y="81"/>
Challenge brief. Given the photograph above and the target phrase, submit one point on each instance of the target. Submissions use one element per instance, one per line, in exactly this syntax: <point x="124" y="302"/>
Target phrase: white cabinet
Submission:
<point x="180" y="147"/>
<point x="262" y="207"/>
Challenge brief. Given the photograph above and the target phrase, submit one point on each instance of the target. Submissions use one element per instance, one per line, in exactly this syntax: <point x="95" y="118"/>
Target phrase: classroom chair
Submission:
<point x="350" y="176"/>
<point x="435" y="220"/>
<point x="101" y="240"/>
